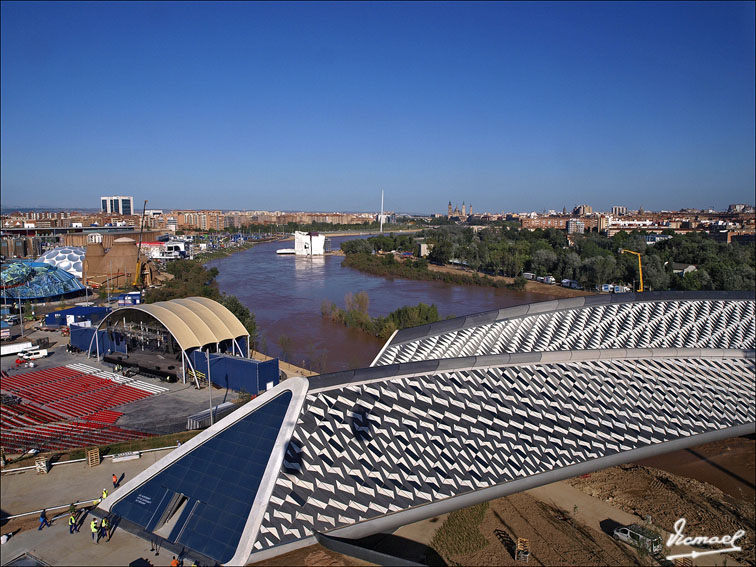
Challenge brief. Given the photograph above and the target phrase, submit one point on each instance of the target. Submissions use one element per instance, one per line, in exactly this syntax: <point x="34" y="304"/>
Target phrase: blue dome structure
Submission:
<point x="36" y="281"/>
<point x="68" y="258"/>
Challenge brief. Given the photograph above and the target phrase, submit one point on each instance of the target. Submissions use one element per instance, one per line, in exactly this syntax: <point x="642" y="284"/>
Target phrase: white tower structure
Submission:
<point x="381" y="211"/>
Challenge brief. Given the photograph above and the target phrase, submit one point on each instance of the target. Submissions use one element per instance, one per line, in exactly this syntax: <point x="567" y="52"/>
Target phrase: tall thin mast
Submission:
<point x="381" y="217"/>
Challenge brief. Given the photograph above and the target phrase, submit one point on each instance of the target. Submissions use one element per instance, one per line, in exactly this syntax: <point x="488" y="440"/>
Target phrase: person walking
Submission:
<point x="43" y="520"/>
<point x="115" y="481"/>
<point x="104" y="527"/>
<point x="72" y="524"/>
<point x="95" y="530"/>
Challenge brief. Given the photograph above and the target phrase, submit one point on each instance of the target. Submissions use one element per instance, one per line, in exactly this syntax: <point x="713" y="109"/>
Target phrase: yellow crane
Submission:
<point x="640" y="268"/>
<point x="138" y="271"/>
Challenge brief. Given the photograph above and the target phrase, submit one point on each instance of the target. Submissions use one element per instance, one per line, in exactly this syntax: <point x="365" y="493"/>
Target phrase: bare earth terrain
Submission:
<point x="645" y="491"/>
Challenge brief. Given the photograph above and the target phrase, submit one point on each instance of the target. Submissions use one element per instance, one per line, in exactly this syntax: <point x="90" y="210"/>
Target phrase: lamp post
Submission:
<point x="209" y="384"/>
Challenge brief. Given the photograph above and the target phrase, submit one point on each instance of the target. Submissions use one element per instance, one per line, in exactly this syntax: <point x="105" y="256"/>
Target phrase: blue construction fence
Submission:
<point x="78" y="314"/>
<point x="81" y="337"/>
<point x="236" y="373"/>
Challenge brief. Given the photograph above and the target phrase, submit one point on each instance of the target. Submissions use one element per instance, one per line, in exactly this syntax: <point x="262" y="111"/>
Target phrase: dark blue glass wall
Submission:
<point x="219" y="480"/>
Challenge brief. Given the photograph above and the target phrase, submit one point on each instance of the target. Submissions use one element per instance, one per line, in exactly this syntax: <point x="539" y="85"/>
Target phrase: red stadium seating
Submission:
<point x="51" y="396"/>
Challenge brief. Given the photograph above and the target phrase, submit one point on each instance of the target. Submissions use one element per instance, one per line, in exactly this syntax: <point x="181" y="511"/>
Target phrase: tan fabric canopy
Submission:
<point x="194" y="322"/>
<point x="233" y="324"/>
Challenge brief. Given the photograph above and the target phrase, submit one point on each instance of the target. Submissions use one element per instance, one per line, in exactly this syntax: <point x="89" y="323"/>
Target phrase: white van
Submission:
<point x="33" y="353"/>
<point x="639" y="536"/>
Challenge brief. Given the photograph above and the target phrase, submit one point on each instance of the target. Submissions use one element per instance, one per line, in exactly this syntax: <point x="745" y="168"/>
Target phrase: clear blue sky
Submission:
<point x="318" y="106"/>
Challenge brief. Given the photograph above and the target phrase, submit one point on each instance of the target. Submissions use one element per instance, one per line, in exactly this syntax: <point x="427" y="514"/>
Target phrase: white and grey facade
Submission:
<point x="455" y="419"/>
<point x="117" y="205"/>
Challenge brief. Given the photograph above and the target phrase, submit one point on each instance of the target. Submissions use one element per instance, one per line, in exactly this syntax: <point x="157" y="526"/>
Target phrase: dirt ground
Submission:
<point x="645" y="491"/>
<point x="315" y="555"/>
<point x="554" y="539"/>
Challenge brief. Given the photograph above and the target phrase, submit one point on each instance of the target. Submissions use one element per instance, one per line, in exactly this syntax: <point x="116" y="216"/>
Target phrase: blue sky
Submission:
<point x="318" y="106"/>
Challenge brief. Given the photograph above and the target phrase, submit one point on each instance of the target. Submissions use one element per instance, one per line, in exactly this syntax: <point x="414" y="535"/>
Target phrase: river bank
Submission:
<point x="555" y="291"/>
<point x="389" y="265"/>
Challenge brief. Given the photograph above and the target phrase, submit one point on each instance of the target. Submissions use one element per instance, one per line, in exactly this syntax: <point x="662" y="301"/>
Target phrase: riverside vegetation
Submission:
<point x="192" y="279"/>
<point x="356" y="315"/>
<point x="590" y="259"/>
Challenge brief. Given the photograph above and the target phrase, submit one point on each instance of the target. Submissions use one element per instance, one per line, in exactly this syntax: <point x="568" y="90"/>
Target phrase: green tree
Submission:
<point x="247" y="318"/>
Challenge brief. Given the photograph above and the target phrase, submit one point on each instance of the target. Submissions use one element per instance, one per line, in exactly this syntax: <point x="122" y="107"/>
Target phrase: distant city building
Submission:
<point x="652" y="239"/>
<point x="388" y="218"/>
<point x="618" y="211"/>
<point x="582" y="210"/>
<point x="456" y="212"/>
<point x="740" y="208"/>
<point x="117" y="204"/>
<point x="575" y="226"/>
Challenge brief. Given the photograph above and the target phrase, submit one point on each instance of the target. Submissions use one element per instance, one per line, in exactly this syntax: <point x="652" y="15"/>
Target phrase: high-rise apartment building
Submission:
<point x="117" y="205"/>
<point x="575" y="226"/>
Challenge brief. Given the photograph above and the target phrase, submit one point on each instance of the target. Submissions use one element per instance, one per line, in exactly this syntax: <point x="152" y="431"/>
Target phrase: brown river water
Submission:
<point x="286" y="292"/>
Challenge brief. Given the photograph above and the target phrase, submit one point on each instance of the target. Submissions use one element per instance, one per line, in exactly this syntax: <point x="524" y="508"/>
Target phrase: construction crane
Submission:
<point x="138" y="271"/>
<point x="640" y="268"/>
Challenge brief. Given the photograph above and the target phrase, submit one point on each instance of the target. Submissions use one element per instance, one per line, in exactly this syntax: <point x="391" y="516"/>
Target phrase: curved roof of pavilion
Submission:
<point x="365" y="451"/>
<point x="194" y="321"/>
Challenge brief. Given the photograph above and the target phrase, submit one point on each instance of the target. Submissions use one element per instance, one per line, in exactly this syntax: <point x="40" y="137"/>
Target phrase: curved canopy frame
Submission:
<point x="194" y="324"/>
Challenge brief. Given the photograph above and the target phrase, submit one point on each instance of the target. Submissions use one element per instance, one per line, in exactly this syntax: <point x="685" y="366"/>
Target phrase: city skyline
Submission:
<point x="518" y="107"/>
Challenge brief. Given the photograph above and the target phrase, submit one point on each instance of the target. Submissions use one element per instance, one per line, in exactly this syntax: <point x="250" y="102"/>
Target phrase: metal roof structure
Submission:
<point x="194" y="321"/>
<point x="369" y="450"/>
<point x="68" y="258"/>
<point x="26" y="280"/>
<point x="629" y="320"/>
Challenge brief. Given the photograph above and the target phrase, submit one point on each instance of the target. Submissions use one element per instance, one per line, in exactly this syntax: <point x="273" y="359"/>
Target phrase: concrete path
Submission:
<point x="27" y="491"/>
<point x="56" y="546"/>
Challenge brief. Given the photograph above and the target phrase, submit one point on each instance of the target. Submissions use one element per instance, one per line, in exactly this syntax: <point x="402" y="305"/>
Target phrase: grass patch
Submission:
<point x="459" y="535"/>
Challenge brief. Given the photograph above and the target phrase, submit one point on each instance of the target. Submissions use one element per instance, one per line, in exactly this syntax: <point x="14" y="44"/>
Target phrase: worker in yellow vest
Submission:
<point x="95" y="530"/>
<point x="104" y="528"/>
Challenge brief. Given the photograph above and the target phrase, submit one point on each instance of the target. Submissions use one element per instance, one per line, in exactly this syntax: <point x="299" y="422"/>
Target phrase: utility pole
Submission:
<point x="21" y="313"/>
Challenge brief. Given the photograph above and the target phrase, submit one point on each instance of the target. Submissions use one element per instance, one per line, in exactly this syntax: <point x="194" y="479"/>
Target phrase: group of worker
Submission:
<point x="101" y="530"/>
